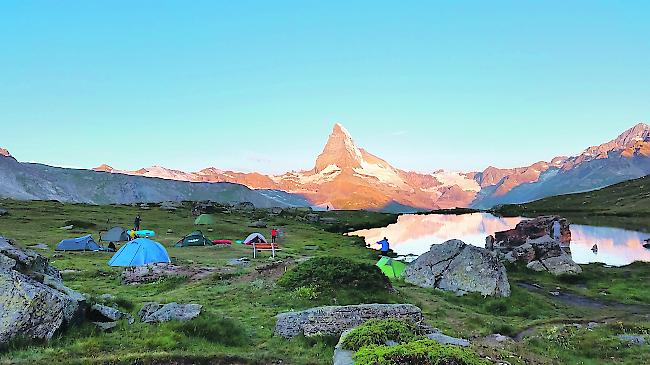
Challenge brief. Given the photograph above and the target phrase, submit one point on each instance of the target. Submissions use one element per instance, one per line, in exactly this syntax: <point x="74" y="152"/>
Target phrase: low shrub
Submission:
<point x="421" y="352"/>
<point x="333" y="273"/>
<point x="378" y="332"/>
<point x="80" y="224"/>
<point x="225" y="331"/>
<point x="306" y="292"/>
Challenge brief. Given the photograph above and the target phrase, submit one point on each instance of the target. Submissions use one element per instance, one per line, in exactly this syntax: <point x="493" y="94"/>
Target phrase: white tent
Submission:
<point x="255" y="237"/>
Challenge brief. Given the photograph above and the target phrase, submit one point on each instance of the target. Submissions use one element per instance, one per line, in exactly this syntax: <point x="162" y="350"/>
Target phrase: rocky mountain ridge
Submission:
<point x="348" y="177"/>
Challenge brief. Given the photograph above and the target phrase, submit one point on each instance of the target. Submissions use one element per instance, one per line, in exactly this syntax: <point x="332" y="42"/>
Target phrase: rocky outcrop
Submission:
<point x="544" y="254"/>
<point x="334" y="320"/>
<point x="158" y="313"/>
<point x="154" y="272"/>
<point x="258" y="224"/>
<point x="460" y="268"/>
<point x="531" y="229"/>
<point x="33" y="300"/>
<point x="104" y="314"/>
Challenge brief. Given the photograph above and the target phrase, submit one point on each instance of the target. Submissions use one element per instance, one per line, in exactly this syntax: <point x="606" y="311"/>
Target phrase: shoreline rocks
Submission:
<point x="460" y="268"/>
<point x="544" y="254"/>
<point x="532" y="229"/>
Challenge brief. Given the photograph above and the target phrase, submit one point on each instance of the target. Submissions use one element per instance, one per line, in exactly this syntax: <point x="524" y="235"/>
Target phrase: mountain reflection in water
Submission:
<point x="414" y="235"/>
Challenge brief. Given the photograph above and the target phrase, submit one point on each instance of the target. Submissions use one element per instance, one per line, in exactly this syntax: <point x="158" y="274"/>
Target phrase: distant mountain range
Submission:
<point x="348" y="177"/>
<point x="30" y="181"/>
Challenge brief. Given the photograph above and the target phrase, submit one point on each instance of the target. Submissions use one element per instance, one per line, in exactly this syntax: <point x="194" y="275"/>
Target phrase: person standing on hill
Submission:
<point x="136" y="223"/>
<point x="385" y="246"/>
<point x="274" y="235"/>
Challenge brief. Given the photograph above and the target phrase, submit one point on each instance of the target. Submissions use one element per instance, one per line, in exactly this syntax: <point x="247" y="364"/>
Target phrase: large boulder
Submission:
<point x="158" y="313"/>
<point x="531" y="229"/>
<point x="460" y="268"/>
<point x="33" y="300"/>
<point x="334" y="320"/>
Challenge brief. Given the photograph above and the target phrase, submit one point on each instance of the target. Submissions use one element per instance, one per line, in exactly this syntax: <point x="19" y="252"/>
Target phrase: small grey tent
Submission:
<point x="115" y="234"/>
<point x="85" y="243"/>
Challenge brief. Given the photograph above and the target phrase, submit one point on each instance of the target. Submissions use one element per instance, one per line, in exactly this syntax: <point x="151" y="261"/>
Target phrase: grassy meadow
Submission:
<point x="240" y="303"/>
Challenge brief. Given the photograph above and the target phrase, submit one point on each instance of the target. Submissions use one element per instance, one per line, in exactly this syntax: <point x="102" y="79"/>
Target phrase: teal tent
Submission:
<point x="195" y="238"/>
<point x="139" y="252"/>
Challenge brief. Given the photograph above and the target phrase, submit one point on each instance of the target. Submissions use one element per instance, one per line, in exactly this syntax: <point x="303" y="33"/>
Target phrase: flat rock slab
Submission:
<point x="632" y="340"/>
<point x="158" y="313"/>
<point x="443" y="339"/>
<point x="334" y="320"/>
<point x="460" y="268"/>
<point x="154" y="272"/>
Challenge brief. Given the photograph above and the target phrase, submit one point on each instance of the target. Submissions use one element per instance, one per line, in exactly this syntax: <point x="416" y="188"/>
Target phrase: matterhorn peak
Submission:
<point x="339" y="151"/>
<point x="4" y="152"/>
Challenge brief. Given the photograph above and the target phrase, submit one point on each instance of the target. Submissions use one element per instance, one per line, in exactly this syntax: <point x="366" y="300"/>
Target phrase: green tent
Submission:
<point x="195" y="238"/>
<point x="391" y="267"/>
<point x="204" y="219"/>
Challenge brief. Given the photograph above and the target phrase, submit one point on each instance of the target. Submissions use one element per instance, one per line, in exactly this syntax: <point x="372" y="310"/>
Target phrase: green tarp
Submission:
<point x="391" y="267"/>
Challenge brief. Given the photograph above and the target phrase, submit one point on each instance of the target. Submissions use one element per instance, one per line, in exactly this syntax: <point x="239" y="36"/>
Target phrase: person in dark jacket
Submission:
<point x="136" y="223"/>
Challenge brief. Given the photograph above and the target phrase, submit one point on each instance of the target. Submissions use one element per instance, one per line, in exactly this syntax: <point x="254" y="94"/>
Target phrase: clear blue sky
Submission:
<point x="257" y="85"/>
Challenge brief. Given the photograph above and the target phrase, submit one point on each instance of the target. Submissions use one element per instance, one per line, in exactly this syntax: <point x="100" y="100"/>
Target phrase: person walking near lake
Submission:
<point x="385" y="246"/>
<point x="136" y="223"/>
<point x="274" y="235"/>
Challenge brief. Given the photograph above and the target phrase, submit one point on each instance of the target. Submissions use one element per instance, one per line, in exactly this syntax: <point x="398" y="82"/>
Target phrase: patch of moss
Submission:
<point x="378" y="332"/>
<point x="422" y="352"/>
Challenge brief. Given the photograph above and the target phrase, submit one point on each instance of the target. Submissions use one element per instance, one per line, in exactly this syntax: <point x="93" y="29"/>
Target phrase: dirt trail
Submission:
<point x="583" y="301"/>
<point x="627" y="310"/>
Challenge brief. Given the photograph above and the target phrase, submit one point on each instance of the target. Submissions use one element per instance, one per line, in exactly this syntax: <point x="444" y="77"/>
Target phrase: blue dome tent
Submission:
<point x="85" y="243"/>
<point x="140" y="251"/>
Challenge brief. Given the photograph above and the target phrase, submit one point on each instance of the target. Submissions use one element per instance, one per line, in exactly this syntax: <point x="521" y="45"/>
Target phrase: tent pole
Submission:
<point x="254" y="250"/>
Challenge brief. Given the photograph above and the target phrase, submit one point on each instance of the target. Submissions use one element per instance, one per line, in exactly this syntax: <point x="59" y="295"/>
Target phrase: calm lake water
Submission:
<point x="414" y="234"/>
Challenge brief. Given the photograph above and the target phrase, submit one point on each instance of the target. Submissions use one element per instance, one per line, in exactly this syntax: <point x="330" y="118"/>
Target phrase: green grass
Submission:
<point x="240" y="305"/>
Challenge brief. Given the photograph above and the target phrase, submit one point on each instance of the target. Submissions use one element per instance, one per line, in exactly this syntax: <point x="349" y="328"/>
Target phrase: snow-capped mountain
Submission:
<point x="348" y="177"/>
<point x="344" y="177"/>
